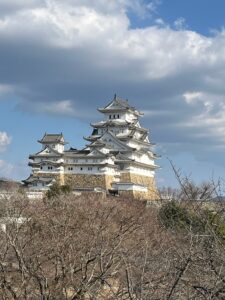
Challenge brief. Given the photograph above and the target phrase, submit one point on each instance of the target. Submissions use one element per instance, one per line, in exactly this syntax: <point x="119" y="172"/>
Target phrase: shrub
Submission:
<point x="175" y="216"/>
<point x="57" y="190"/>
<point x="217" y="223"/>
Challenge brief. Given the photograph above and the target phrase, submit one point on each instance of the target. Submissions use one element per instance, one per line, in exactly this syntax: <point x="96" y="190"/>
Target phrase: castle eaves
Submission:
<point x="52" y="139"/>
<point x="118" y="104"/>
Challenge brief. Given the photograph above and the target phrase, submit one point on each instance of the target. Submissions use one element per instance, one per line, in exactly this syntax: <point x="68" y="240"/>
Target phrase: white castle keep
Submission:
<point x="118" y="158"/>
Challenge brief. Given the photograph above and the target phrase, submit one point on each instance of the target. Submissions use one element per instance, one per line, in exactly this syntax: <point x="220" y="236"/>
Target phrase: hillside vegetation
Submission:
<point x="69" y="247"/>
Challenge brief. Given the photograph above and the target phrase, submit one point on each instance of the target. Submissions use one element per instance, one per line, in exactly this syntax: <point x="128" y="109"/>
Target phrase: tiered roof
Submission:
<point x="132" y="126"/>
<point x="49" y="162"/>
<point x="112" y="122"/>
<point x="53" y="153"/>
<point x="118" y="105"/>
<point x="53" y="139"/>
<point x="33" y="179"/>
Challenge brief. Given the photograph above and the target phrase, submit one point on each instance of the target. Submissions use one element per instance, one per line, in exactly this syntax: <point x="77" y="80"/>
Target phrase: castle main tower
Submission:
<point x="121" y="132"/>
<point x="118" y="157"/>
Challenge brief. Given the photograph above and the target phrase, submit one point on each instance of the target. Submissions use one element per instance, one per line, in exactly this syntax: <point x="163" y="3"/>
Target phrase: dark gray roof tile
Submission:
<point x="52" y="138"/>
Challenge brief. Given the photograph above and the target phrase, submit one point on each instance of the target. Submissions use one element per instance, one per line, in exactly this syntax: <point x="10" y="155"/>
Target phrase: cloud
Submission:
<point x="180" y="24"/>
<point x="192" y="96"/>
<point x="61" y="108"/>
<point x="68" y="57"/>
<point x="6" y="169"/>
<point x="64" y="107"/>
<point x="5" y="89"/>
<point x="160" y="22"/>
<point x="8" y="7"/>
<point x="12" y="171"/>
<point x="5" y="140"/>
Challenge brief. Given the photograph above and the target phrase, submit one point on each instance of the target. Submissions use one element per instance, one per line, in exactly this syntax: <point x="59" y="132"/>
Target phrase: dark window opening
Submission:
<point x="95" y="131"/>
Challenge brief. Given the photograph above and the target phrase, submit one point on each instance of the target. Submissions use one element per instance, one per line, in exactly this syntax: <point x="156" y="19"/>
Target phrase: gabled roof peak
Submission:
<point x="119" y="104"/>
<point x="97" y="143"/>
<point x="51" y="138"/>
<point x="116" y="98"/>
<point x="115" y="140"/>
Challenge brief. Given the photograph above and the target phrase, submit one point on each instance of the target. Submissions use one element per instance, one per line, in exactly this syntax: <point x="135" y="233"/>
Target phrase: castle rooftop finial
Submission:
<point x="115" y="97"/>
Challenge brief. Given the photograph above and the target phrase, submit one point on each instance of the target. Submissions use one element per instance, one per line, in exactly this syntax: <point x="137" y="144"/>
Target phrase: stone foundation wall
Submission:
<point x="108" y="181"/>
<point x="152" y="193"/>
<point x="88" y="181"/>
<point x="58" y="177"/>
<point x="62" y="179"/>
<point x="104" y="182"/>
<point x="139" y="195"/>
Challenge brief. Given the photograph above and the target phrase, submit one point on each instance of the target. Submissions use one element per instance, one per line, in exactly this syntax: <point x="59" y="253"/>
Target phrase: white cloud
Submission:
<point x="88" y="27"/>
<point x="6" y="169"/>
<point x="210" y="120"/>
<point x="5" y="88"/>
<point x="13" y="171"/>
<point x="180" y="24"/>
<point x="83" y="28"/>
<point x="192" y="96"/>
<point x="5" y="140"/>
<point x="160" y="22"/>
<point x="83" y="50"/>
<point x="64" y="107"/>
<point x="60" y="108"/>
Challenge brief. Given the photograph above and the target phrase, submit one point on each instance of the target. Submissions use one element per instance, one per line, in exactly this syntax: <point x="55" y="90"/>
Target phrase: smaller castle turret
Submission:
<point x="53" y="141"/>
<point x="47" y="164"/>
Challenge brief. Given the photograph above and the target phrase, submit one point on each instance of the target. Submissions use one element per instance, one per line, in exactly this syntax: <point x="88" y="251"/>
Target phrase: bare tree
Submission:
<point x="76" y="248"/>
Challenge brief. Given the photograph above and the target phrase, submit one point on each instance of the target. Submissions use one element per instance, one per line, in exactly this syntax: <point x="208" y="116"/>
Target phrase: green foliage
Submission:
<point x="57" y="190"/>
<point x="220" y="231"/>
<point x="175" y="216"/>
<point x="217" y="223"/>
<point x="66" y="189"/>
<point x="172" y="215"/>
<point x="21" y="191"/>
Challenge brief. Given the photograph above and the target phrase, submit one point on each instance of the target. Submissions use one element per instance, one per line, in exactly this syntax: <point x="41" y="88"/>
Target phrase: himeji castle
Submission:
<point x="118" y="157"/>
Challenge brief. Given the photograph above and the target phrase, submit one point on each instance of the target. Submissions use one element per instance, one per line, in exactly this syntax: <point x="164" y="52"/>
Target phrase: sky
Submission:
<point x="60" y="60"/>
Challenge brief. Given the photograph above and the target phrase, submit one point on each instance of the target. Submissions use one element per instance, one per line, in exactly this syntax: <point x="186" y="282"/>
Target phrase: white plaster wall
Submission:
<point x="38" y="187"/>
<point x="134" y="144"/>
<point x="94" y="170"/>
<point x="46" y="170"/>
<point x="128" y="117"/>
<point x="122" y="115"/>
<point x="141" y="171"/>
<point x="88" y="160"/>
<point x="59" y="148"/>
<point x="105" y="150"/>
<point x="129" y="187"/>
<point x="47" y="158"/>
<point x="143" y="158"/>
<point x="36" y="194"/>
<point x="137" y="135"/>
